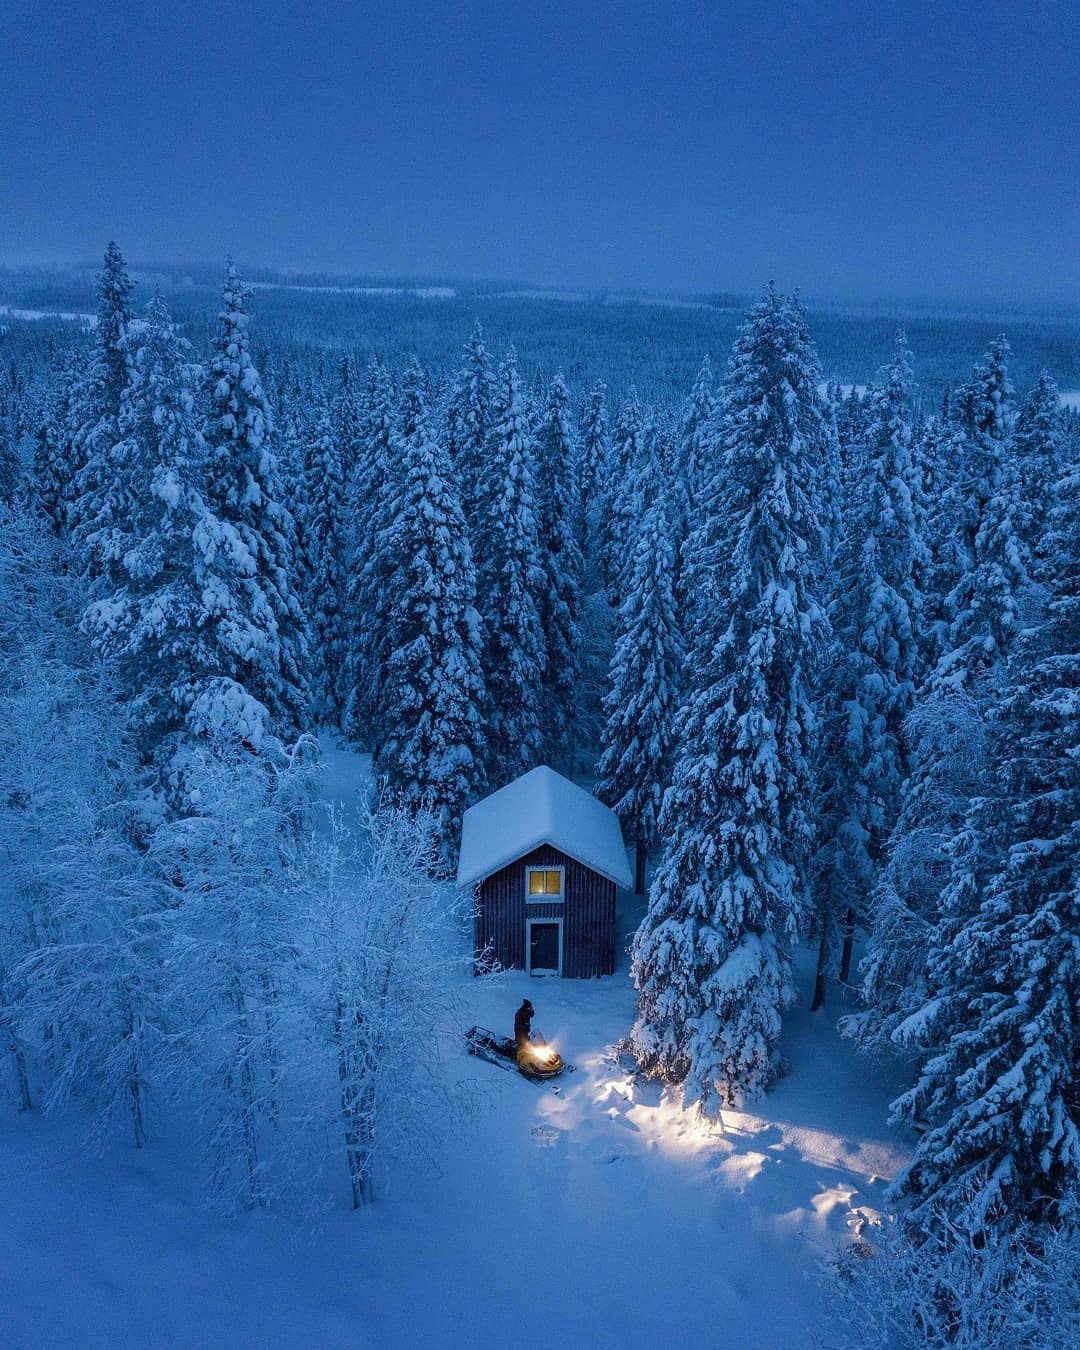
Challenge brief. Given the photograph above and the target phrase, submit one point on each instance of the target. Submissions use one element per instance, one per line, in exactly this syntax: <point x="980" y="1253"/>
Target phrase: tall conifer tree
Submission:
<point x="1000" y="1028"/>
<point x="640" y="705"/>
<point x="433" y="754"/>
<point x="712" y="957"/>
<point x="469" y="420"/>
<point x="558" y="535"/>
<point x="267" y="655"/>
<point x="97" y="412"/>
<point x="369" y="562"/>
<point x="511" y="584"/>
<point x="592" y="462"/>
<point x="160" y="607"/>
<point x="875" y="670"/>
<point x="616" y="523"/>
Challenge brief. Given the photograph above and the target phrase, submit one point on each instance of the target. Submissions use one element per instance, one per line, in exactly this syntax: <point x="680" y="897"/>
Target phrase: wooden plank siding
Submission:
<point x="587" y="911"/>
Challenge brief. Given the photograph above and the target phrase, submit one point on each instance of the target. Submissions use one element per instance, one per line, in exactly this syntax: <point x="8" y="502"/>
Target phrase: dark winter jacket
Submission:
<point x="523" y="1023"/>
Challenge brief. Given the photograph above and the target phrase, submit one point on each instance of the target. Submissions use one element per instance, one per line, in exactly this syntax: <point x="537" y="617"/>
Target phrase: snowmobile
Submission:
<point x="536" y="1061"/>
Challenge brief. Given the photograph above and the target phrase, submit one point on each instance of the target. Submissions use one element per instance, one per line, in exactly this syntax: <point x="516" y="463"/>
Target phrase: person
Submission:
<point x="523" y="1024"/>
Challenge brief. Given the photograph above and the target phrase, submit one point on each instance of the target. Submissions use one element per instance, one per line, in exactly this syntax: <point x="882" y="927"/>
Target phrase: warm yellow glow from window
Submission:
<point x="545" y="881"/>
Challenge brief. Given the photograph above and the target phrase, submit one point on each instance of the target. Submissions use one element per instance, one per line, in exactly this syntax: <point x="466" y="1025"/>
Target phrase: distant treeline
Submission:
<point x="623" y="341"/>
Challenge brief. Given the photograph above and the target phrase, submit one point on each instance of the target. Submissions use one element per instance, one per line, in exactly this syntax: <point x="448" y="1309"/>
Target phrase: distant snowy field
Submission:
<point x="600" y="1217"/>
<point x="10" y="312"/>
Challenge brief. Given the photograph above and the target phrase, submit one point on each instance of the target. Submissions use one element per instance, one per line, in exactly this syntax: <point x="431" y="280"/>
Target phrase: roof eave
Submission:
<point x="622" y="883"/>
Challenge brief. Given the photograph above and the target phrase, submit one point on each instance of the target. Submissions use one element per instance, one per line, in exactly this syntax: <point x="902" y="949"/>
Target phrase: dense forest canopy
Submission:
<point x="806" y="614"/>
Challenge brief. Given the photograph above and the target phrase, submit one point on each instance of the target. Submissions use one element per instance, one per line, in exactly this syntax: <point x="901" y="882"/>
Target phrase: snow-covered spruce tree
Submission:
<point x="510" y="582"/>
<point x="1038" y="452"/>
<point x="293" y="432"/>
<point x="945" y="738"/>
<point x="165" y="611"/>
<point x="875" y="669"/>
<point x="939" y="455"/>
<point x="346" y="416"/>
<point x="947" y="725"/>
<point x="432" y="754"/>
<point x="96" y="414"/>
<point x="261" y="630"/>
<point x="637" y="739"/>
<point x="469" y="421"/>
<point x="710" y="960"/>
<point x="53" y="467"/>
<point x="11" y="466"/>
<point x="1002" y="1027"/>
<point x="983" y="605"/>
<point x="592" y="459"/>
<point x="616" y="523"/>
<point x="694" y="470"/>
<point x="951" y="1289"/>
<point x="324" y="560"/>
<point x="369" y="564"/>
<point x="558" y="536"/>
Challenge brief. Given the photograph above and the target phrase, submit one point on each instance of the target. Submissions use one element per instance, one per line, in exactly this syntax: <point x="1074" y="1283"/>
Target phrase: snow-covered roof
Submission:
<point x="541" y="807"/>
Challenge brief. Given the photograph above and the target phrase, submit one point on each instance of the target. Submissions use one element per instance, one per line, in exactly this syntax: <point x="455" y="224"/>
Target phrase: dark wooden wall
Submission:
<point x="588" y="915"/>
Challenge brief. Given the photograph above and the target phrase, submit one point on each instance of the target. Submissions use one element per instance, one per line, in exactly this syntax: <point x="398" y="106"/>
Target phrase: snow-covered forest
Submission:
<point x="817" y="645"/>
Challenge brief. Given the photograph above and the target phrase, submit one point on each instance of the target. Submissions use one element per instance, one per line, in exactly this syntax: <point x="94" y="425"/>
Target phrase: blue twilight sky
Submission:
<point x="873" y="149"/>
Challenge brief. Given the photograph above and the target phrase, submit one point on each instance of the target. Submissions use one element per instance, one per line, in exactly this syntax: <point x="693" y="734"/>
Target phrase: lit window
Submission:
<point x="545" y="881"/>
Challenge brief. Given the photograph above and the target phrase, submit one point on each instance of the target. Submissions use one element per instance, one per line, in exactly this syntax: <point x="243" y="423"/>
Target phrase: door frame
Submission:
<point x="528" y="945"/>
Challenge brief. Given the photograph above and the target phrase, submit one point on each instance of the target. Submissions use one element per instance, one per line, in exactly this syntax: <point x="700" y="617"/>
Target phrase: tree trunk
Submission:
<point x="641" y="858"/>
<point x="272" y="1053"/>
<point x="135" y="1086"/>
<point x="21" y="1076"/>
<point x="822" y="972"/>
<point x="245" y="1049"/>
<point x="349" y="1123"/>
<point x="849" y="942"/>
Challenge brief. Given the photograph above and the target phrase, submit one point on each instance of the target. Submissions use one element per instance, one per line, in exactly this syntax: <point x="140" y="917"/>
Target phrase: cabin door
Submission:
<point x="543" y="943"/>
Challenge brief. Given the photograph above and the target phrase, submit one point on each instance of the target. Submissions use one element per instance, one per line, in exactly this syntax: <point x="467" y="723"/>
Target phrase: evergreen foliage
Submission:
<point x="324" y="546"/>
<point x="592" y="462"/>
<point x="469" y="421"/>
<point x="640" y="706"/>
<point x="97" y="413"/>
<point x="712" y="957"/>
<point x="369" y="560"/>
<point x="1002" y="1029"/>
<point x="263" y="641"/>
<point x="616" y="523"/>
<point x="510" y="585"/>
<point x="874" y="673"/>
<point x="53" y="467"/>
<point x="1039" y="459"/>
<point x="433" y="696"/>
<point x="163" y="597"/>
<point x="560" y="601"/>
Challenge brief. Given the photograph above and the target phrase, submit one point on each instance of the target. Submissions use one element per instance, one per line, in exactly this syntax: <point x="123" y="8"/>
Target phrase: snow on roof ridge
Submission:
<point x="541" y="807"/>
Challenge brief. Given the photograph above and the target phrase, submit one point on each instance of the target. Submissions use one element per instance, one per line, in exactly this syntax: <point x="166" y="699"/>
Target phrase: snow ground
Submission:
<point x="599" y="1217"/>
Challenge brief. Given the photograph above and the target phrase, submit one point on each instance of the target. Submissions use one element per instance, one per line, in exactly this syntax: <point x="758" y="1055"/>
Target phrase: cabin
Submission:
<point x="545" y="859"/>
